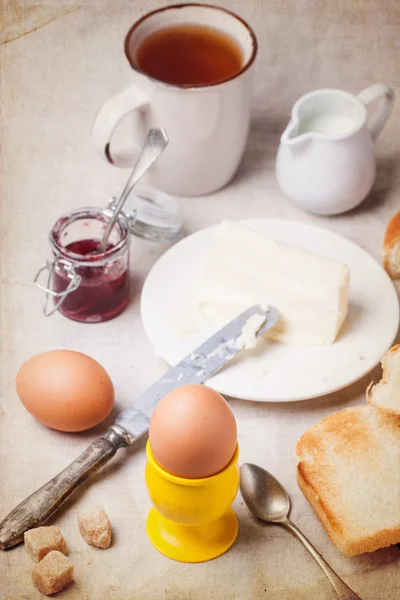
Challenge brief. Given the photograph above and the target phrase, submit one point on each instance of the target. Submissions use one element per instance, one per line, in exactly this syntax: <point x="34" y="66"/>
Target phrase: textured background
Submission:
<point x="59" y="62"/>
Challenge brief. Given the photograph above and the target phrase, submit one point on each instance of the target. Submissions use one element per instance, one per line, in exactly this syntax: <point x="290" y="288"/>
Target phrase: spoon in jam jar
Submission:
<point x="155" y="144"/>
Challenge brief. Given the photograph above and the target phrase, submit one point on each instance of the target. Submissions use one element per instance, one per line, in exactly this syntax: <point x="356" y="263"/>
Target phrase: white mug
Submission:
<point x="207" y="125"/>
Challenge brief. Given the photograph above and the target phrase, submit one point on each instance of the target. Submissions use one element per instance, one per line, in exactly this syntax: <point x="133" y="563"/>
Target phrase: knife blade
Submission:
<point x="199" y="366"/>
<point x="133" y="422"/>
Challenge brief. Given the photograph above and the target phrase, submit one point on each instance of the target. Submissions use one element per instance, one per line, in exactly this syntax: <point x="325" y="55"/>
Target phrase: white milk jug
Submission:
<point x="325" y="162"/>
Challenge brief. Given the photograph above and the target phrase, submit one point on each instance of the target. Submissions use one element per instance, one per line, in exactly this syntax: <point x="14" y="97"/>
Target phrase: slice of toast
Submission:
<point x="391" y="247"/>
<point x="348" y="469"/>
<point x="386" y="394"/>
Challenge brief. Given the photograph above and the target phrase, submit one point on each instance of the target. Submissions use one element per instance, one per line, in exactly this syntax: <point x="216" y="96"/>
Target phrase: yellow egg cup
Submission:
<point x="192" y="519"/>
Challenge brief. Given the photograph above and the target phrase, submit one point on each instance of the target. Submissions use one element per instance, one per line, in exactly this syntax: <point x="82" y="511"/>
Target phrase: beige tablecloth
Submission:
<point x="59" y="63"/>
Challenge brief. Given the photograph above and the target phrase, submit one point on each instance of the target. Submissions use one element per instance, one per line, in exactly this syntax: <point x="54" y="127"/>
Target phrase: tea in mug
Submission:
<point x="189" y="55"/>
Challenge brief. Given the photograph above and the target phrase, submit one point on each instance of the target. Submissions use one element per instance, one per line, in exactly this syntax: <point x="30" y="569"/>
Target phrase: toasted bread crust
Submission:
<point x="322" y="453"/>
<point x="381" y="539"/>
<point x="384" y="380"/>
<point x="326" y="516"/>
<point x="368" y="393"/>
<point x="392" y="350"/>
<point x="392" y="237"/>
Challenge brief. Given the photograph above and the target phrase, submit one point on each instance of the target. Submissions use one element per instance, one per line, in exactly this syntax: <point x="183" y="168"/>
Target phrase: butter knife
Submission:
<point x="133" y="422"/>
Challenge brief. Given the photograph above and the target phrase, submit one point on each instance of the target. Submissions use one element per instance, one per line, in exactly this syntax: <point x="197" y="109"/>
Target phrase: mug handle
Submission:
<point x="387" y="95"/>
<point x="107" y="119"/>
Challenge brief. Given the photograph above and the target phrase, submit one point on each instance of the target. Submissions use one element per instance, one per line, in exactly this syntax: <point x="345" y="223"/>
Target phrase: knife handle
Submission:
<point x="43" y="503"/>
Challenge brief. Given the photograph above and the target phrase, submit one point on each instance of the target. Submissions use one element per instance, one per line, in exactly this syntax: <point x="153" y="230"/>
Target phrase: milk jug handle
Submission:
<point x="386" y="95"/>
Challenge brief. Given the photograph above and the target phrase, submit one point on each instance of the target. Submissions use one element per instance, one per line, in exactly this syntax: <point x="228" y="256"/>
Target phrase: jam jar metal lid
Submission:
<point x="152" y="214"/>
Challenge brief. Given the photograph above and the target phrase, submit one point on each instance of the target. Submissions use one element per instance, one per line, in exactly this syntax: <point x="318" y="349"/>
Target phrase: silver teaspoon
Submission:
<point x="154" y="145"/>
<point x="269" y="501"/>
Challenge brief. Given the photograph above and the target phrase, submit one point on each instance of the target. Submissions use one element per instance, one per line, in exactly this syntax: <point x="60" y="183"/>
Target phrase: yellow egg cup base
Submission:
<point x="192" y="543"/>
<point x="192" y="520"/>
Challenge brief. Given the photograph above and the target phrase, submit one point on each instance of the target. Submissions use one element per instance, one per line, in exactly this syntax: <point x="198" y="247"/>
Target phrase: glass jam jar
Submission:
<point x="91" y="287"/>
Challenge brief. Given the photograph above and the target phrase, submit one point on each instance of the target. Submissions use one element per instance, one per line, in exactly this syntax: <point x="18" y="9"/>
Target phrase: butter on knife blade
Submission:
<point x="133" y="422"/>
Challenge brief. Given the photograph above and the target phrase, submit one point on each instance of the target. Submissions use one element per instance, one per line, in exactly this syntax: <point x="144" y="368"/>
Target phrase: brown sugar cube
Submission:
<point x="95" y="527"/>
<point x="53" y="573"/>
<point x="42" y="540"/>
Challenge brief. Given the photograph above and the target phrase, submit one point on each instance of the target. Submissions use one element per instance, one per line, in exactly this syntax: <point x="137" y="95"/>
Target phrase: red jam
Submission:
<point x="88" y="285"/>
<point x="103" y="292"/>
<point x="86" y="247"/>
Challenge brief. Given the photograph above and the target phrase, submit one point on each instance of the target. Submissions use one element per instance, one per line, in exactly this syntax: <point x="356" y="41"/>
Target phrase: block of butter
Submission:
<point x="245" y="267"/>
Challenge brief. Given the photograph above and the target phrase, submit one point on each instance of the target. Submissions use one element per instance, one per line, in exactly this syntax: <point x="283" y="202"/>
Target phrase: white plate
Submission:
<point x="275" y="372"/>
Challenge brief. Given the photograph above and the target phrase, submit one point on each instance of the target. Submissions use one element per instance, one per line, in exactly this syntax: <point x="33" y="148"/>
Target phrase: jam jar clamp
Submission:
<point x="91" y="287"/>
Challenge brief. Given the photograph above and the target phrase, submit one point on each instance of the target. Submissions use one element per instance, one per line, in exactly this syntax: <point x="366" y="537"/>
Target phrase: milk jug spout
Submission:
<point x="293" y="138"/>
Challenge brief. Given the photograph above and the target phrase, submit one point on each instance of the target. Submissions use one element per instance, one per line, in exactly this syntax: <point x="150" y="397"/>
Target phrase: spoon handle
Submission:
<point x="155" y="144"/>
<point x="342" y="590"/>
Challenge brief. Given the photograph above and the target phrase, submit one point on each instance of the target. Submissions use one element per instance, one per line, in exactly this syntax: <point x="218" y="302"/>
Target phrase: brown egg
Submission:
<point x="65" y="390"/>
<point x="193" y="432"/>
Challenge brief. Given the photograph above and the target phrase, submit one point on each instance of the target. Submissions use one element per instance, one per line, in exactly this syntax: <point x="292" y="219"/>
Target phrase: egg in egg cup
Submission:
<point x="192" y="520"/>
